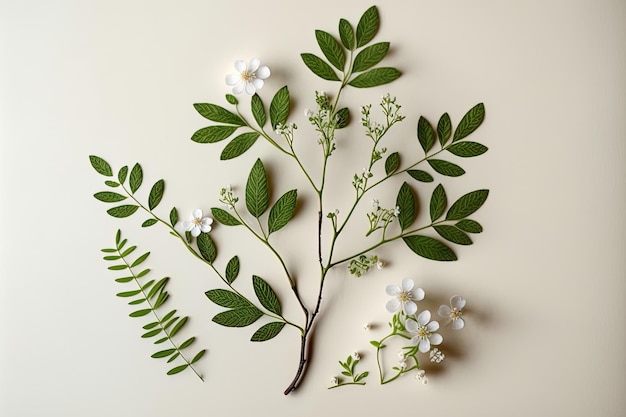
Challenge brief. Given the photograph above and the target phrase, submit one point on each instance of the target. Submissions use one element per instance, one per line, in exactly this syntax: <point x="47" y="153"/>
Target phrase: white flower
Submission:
<point x="334" y="380"/>
<point x="405" y="297"/>
<point x="249" y="78"/>
<point x="454" y="311"/>
<point x="308" y="113"/>
<point x="401" y="355"/>
<point x="380" y="265"/>
<point x="421" y="376"/>
<point x="396" y="211"/>
<point x="436" y="355"/>
<point x="423" y="331"/>
<point x="367" y="326"/>
<point x="197" y="223"/>
<point x="356" y="356"/>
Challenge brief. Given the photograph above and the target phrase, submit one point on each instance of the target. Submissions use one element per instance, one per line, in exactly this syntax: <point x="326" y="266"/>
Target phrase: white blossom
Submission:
<point x="421" y="376"/>
<point x="356" y="356"/>
<point x="454" y="312"/>
<point x="249" y="77"/>
<point x="404" y="297"/>
<point x="197" y="223"/>
<point x="423" y="331"/>
<point x="436" y="355"/>
<point x="367" y="326"/>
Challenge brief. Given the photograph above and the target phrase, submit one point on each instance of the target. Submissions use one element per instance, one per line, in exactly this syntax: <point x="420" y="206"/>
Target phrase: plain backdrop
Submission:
<point x="545" y="281"/>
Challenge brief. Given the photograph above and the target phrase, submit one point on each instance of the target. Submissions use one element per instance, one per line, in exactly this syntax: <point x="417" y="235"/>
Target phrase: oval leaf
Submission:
<point x="239" y="145"/>
<point x="319" y="67"/>
<point x="342" y="117"/>
<point x="109" y="197"/>
<point x="218" y="114"/>
<point x="420" y="175"/>
<point x="346" y="34"/>
<point x="232" y="269"/>
<point x="470" y="122"/>
<point x="282" y="211"/>
<point x="467" y="149"/>
<point x="198" y="356"/>
<point x="266" y="295"/>
<point x="279" y="107"/>
<point x="425" y="134"/>
<point x="228" y="299"/>
<point x="267" y="331"/>
<point x="213" y="134"/>
<point x="173" y="216"/>
<point x="122" y="211"/>
<point x="156" y="194"/>
<point x="149" y="222"/>
<point x="140" y="313"/>
<point x="206" y="247"/>
<point x="223" y="217"/>
<point x="446" y="168"/>
<point x="406" y="202"/>
<point x="392" y="163"/>
<point x="257" y="190"/>
<point x="331" y="48"/>
<point x="438" y="203"/>
<point x="429" y="248"/>
<point x="453" y="234"/>
<point x="370" y="56"/>
<point x="101" y="166"/>
<point x="232" y="99"/>
<point x="177" y="369"/>
<point x="467" y="204"/>
<point x="136" y="178"/>
<point x="240" y="317"/>
<point x="163" y="353"/>
<point x="367" y="27"/>
<point x="375" y="77"/>
<point x="469" y="226"/>
<point x="444" y="128"/>
<point x="258" y="110"/>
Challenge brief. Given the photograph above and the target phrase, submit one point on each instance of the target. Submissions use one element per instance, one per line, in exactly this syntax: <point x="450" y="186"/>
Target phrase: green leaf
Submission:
<point x="467" y="204"/>
<point x="143" y="273"/>
<point x="232" y="269"/>
<point x="151" y="333"/>
<point x="140" y="313"/>
<point x="109" y="197"/>
<point x="425" y="134"/>
<point x="319" y="67"/>
<point x="128" y="251"/>
<point x="218" y="114"/>
<point x="375" y="343"/>
<point x="240" y="317"/>
<point x="112" y="258"/>
<point x="406" y="202"/>
<point x="438" y="203"/>
<point x="266" y="295"/>
<point x="124" y="280"/>
<point x="139" y="260"/>
<point x="136" y="178"/>
<point x="392" y="163"/>
<point x="121" y="175"/>
<point x="239" y="145"/>
<point x="279" y="107"/>
<point x="258" y="110"/>
<point x="149" y="222"/>
<point x="332" y="49"/>
<point x="173" y="216"/>
<point x="213" y="134"/>
<point x="150" y="325"/>
<point x="198" y="356"/>
<point x="163" y="353"/>
<point x="469" y="226"/>
<point x="162" y="298"/>
<point x="178" y="326"/>
<point x="444" y="129"/>
<point x="346" y="34"/>
<point x="173" y="357"/>
<point x="257" y="190"/>
<point x="470" y="122"/>
<point x="109" y="250"/>
<point x="186" y="343"/>
<point x="367" y="27"/>
<point x="370" y="56"/>
<point x="342" y="117"/>
<point x="453" y="234"/>
<point x="446" y="168"/>
<point x="157" y="288"/>
<point x="122" y="211"/>
<point x="267" y="331"/>
<point x="170" y="323"/>
<point x="375" y="77"/>
<point x="228" y="299"/>
<point x="206" y="247"/>
<point x="168" y="316"/>
<point x="112" y="184"/>
<point x="282" y="211"/>
<point x="177" y="369"/>
<point x="156" y="194"/>
<point x="429" y="248"/>
<point x="223" y="217"/>
<point x="101" y="166"/>
<point x="128" y="293"/>
<point x="137" y="302"/>
<point x="232" y="99"/>
<point x="420" y="175"/>
<point x="467" y="149"/>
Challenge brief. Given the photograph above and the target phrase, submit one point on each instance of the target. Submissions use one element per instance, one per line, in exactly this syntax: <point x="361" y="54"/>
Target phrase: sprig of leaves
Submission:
<point x="349" y="371"/>
<point x="151" y="296"/>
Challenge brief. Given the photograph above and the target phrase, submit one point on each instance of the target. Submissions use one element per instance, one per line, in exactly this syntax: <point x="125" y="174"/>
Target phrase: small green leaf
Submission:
<point x="267" y="331"/>
<point x="282" y="211"/>
<point x="161" y="340"/>
<point x="392" y="163"/>
<point x="163" y="353"/>
<point x="173" y="216"/>
<point x="139" y="260"/>
<point x="239" y="145"/>
<point x="143" y="273"/>
<point x="470" y="122"/>
<point x="124" y="280"/>
<point x="198" y="356"/>
<point x="109" y="250"/>
<point x="223" y="217"/>
<point x="467" y="204"/>
<point x="406" y="202"/>
<point x="112" y="258"/>
<point x="370" y="56"/>
<point x="218" y="114"/>
<point x="331" y="48"/>
<point x="170" y="322"/>
<point x="232" y="99"/>
<point x="446" y="168"/>
<point x="257" y="190"/>
<point x="101" y="166"/>
<point x="342" y="117"/>
<point x="258" y="110"/>
<point x="213" y="134"/>
<point x="128" y="251"/>
<point x="136" y="178"/>
<point x="453" y="234"/>
<point x="128" y="293"/>
<point x="375" y="343"/>
<point x="469" y="226"/>
<point x="228" y="299"/>
<point x="279" y="107"/>
<point x="420" y="175"/>
<point x="206" y="247"/>
<point x="122" y="173"/>
<point x="109" y="197"/>
<point x="425" y="134"/>
<point x="151" y="333"/>
<point x="375" y="77"/>
<point x="150" y="325"/>
<point x="467" y="149"/>
<point x="156" y="194"/>
<point x="168" y="316"/>
<point x="319" y="67"/>
<point x="177" y="369"/>
<point x="186" y="343"/>
<point x="149" y="222"/>
<point x="240" y="317"/>
<point x="173" y="357"/>
<point x="122" y="211"/>
<point x="158" y="287"/>
<point x="438" y="203"/>
<point x="429" y="248"/>
<point x="266" y="295"/>
<point x="444" y="129"/>
<point x="178" y="326"/>
<point x="112" y="184"/>
<point x="163" y="296"/>
<point x="232" y="269"/>
<point x="367" y="27"/>
<point x="346" y="34"/>
<point x="140" y="313"/>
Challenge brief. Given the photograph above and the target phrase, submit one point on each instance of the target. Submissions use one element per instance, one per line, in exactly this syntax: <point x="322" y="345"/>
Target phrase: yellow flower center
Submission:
<point x="456" y="313"/>
<point x="197" y="221"/>
<point x="404" y="296"/>
<point x="247" y="75"/>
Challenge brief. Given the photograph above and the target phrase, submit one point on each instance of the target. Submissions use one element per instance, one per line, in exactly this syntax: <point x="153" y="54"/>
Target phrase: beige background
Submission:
<point x="545" y="282"/>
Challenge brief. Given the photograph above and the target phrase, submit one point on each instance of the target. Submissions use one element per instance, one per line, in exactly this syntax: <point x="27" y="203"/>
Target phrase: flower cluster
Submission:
<point x="325" y="122"/>
<point x="360" y="265"/>
<point x="380" y="217"/>
<point x="228" y="197"/>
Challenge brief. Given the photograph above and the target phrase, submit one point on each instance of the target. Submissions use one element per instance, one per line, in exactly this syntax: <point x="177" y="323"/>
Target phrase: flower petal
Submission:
<point x="197" y="213"/>
<point x="207" y="221"/>
<point x="407" y="284"/>
<point x="424" y="345"/>
<point x="205" y="228"/>
<point x="444" y="311"/>
<point x="257" y="83"/>
<point x="238" y="89"/>
<point x="393" y="290"/>
<point x="435" y="339"/>
<point x="423" y="317"/>
<point x="240" y="65"/>
<point x="411" y="325"/>
<point x="393" y="305"/>
<point x="233" y="79"/>
<point x="254" y="64"/>
<point x="195" y="231"/>
<point x="250" y="88"/>
<point x="458" y="323"/>
<point x="410" y="308"/>
<point x="433" y="326"/>
<point x="457" y="302"/>
<point x="263" y="72"/>
<point x="418" y="294"/>
<point x="188" y="225"/>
